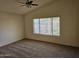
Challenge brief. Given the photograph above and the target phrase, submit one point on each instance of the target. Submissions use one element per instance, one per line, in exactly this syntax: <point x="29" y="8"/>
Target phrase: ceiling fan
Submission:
<point x="28" y="3"/>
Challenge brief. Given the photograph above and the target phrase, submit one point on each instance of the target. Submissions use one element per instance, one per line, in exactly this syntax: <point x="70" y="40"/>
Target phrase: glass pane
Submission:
<point x="56" y="26"/>
<point x="36" y="26"/>
<point x="45" y="26"/>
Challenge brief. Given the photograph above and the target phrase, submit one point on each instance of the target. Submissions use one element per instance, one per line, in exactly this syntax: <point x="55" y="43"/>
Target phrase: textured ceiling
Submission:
<point x="14" y="7"/>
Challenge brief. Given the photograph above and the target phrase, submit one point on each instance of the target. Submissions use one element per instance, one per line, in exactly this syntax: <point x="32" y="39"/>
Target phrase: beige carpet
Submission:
<point x="36" y="49"/>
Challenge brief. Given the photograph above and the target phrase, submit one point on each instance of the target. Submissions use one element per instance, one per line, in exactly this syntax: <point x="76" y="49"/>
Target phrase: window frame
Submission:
<point x="51" y="28"/>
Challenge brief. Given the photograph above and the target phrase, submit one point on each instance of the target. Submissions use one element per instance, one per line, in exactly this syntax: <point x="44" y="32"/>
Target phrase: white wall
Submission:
<point x="69" y="13"/>
<point x="11" y="28"/>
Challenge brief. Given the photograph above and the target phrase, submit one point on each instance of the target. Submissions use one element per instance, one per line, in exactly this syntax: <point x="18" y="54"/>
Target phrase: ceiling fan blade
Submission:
<point x="23" y="5"/>
<point x="34" y="4"/>
<point x="31" y="2"/>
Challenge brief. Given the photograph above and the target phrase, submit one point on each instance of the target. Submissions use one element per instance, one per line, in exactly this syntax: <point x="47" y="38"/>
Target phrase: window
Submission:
<point x="47" y="26"/>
